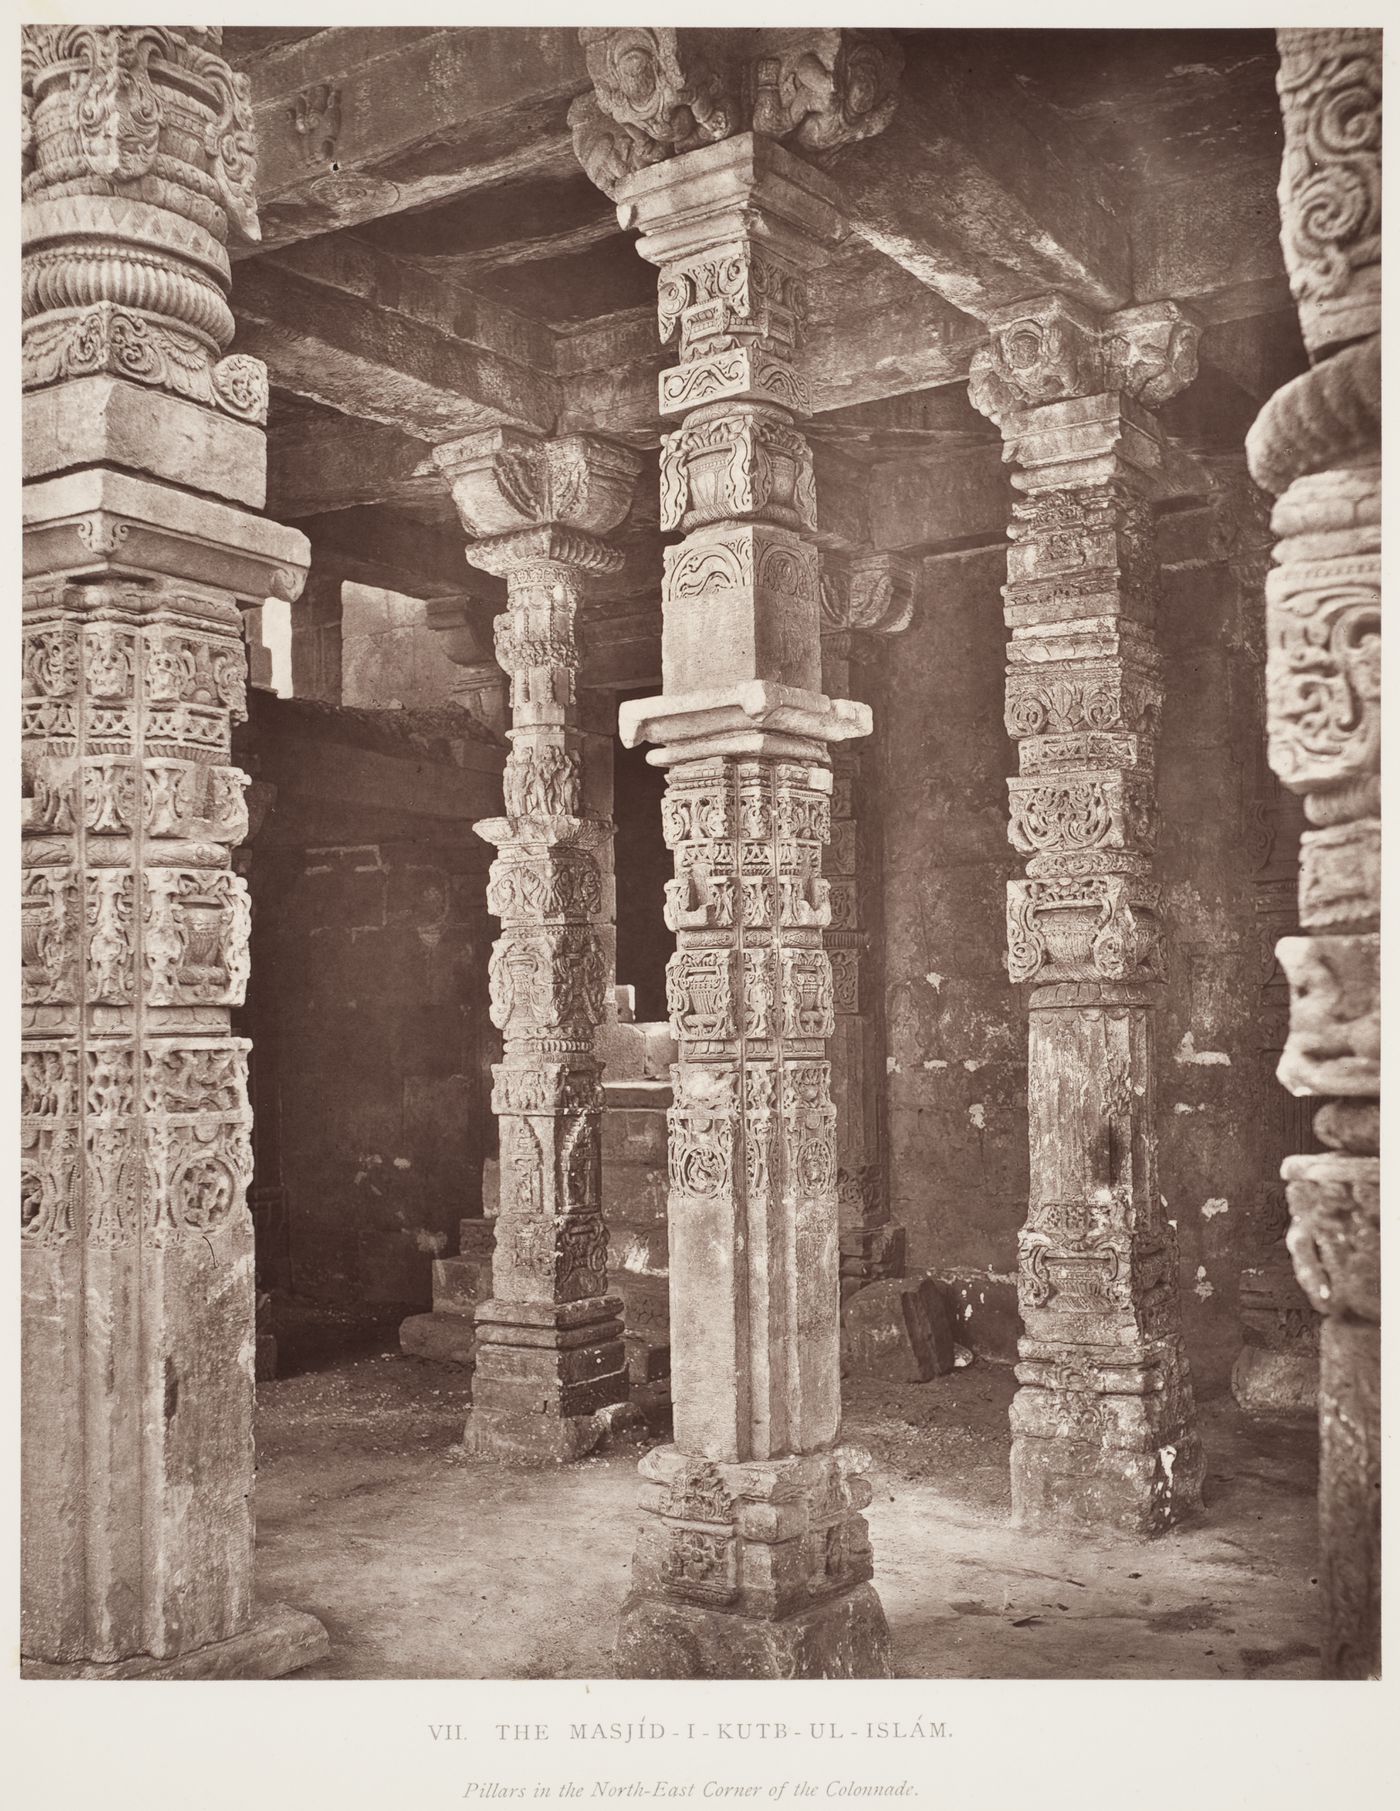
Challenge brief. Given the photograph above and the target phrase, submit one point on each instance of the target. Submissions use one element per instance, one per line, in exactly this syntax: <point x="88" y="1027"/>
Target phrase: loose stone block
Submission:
<point x="898" y="1330"/>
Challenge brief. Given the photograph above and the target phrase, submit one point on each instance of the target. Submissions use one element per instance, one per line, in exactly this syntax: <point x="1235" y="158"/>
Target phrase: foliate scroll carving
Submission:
<point x="1334" y="1238"/>
<point x="732" y="296"/>
<point x="117" y="342"/>
<point x="1334" y="1022"/>
<point x="1330" y="190"/>
<point x="872" y="594"/>
<point x="1324" y="663"/>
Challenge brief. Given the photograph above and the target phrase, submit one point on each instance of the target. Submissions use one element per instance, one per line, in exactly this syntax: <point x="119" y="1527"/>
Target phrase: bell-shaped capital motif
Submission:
<point x="505" y="480"/>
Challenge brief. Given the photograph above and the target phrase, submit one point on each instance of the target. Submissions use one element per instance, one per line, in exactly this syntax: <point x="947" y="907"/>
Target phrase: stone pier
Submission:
<point x="1103" y="1426"/>
<point x="144" y="466"/>
<point x="753" y="1559"/>
<point x="1317" y="448"/>
<point x="549" y="1352"/>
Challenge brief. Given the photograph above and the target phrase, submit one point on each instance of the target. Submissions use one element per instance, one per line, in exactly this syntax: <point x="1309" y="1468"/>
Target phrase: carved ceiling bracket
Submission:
<point x="1052" y="349"/>
<point x="659" y="91"/>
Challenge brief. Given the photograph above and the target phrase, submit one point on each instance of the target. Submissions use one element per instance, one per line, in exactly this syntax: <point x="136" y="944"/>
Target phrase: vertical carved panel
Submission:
<point x="1316" y="445"/>
<point x="137" y="1242"/>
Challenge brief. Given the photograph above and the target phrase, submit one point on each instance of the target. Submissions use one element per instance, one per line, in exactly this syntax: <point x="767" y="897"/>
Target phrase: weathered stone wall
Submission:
<point x="370" y="924"/>
<point x="957" y="1036"/>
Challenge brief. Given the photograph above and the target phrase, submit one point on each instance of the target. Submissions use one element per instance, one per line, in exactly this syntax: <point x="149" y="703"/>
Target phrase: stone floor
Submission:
<point x="426" y="1564"/>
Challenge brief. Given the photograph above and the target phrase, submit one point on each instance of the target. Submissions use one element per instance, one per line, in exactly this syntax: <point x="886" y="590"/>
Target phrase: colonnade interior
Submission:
<point x="804" y="910"/>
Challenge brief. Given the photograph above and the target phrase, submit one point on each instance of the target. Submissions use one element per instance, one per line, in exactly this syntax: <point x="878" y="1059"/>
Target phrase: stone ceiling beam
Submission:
<point x="367" y="358"/>
<point x="353" y="124"/>
<point x="981" y="194"/>
<point x="375" y="546"/>
<point x="333" y="462"/>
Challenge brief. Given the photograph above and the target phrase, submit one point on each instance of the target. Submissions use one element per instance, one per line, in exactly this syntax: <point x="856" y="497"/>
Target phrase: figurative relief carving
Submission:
<point x="657" y="94"/>
<point x="541" y="781"/>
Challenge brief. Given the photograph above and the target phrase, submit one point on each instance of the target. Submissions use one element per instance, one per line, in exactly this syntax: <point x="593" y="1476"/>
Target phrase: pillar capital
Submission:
<point x="508" y="482"/>
<point x="1054" y="350"/>
<point x="138" y="168"/>
<point x="659" y="92"/>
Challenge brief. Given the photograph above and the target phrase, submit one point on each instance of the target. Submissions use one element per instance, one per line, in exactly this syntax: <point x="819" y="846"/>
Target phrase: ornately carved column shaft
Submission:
<point x="549" y="1352"/>
<point x="1316" y="445"/>
<point x="137" y="1242"/>
<point x="1103" y="1424"/>
<point x="753" y="1559"/>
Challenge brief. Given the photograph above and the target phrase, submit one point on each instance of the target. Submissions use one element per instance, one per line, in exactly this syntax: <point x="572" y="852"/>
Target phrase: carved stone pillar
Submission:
<point x="1316" y="446"/>
<point x="1103" y="1426"/>
<point x="864" y="597"/>
<point x="753" y="1558"/>
<point x="144" y="460"/>
<point x="549" y="1342"/>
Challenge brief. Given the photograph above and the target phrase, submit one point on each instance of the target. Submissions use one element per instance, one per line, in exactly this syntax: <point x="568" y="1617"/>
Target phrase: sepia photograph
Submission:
<point x="700" y="880"/>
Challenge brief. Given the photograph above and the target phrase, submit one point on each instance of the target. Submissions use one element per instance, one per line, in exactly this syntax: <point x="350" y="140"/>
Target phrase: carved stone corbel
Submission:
<point x="659" y="92"/>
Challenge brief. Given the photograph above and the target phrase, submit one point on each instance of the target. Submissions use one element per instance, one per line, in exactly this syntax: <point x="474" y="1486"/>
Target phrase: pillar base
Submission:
<point x="280" y="1640"/>
<point x="1065" y="1486"/>
<point x="546" y="1375"/>
<point x="532" y="1439"/>
<point x="845" y="1637"/>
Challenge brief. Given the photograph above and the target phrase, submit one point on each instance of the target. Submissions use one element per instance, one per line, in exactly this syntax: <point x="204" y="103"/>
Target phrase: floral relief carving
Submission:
<point x="1330" y="192"/>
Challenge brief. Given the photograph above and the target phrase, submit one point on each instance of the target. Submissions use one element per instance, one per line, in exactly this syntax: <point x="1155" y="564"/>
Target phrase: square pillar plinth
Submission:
<point x="753" y="1570"/>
